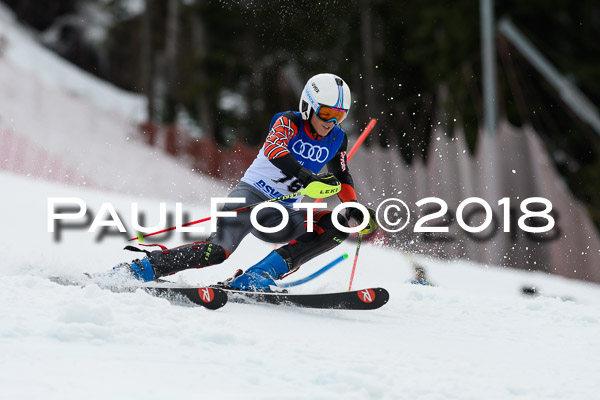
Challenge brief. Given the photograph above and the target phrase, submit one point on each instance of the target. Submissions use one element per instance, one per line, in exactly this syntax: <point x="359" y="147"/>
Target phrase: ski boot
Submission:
<point x="160" y="263"/>
<point x="139" y="269"/>
<point x="260" y="277"/>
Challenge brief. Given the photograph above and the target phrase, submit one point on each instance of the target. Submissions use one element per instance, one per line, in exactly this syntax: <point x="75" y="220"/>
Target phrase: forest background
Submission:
<point x="223" y="68"/>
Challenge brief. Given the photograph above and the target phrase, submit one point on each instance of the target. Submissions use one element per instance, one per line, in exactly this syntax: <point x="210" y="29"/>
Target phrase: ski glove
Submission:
<point x="306" y="176"/>
<point x="355" y="214"/>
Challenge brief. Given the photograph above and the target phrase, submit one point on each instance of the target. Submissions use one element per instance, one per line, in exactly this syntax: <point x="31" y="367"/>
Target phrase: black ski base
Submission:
<point x="208" y="297"/>
<point x="365" y="299"/>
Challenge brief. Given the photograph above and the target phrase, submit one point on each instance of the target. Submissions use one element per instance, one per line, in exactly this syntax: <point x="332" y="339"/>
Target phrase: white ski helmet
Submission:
<point x="328" y="95"/>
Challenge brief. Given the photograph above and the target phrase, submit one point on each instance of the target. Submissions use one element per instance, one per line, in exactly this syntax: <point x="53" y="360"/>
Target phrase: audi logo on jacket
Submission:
<point x="289" y="147"/>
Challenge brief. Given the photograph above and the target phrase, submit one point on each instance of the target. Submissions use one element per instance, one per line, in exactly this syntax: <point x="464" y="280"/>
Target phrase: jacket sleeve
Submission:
<point x="338" y="166"/>
<point x="276" y="145"/>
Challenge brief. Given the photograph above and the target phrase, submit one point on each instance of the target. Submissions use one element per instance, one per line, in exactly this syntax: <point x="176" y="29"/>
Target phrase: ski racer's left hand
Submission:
<point x="355" y="214"/>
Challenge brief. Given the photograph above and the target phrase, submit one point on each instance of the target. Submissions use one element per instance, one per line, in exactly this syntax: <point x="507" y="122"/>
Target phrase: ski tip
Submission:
<point x="345" y="255"/>
<point x="140" y="237"/>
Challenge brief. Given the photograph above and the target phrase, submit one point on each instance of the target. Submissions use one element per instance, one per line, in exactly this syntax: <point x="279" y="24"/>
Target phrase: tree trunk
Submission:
<point x="147" y="64"/>
<point x="366" y="41"/>
<point x="170" y="52"/>
<point x="199" y="48"/>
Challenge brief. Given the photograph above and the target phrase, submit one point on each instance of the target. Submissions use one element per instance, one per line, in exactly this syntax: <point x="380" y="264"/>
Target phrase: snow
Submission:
<point x="472" y="336"/>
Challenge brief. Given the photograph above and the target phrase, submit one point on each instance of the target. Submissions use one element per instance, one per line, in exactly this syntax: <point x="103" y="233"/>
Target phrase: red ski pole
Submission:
<point x="360" y="140"/>
<point x="355" y="147"/>
<point x="360" y="235"/>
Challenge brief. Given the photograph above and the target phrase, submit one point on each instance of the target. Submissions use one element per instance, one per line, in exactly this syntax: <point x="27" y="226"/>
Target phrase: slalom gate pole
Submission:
<point x="357" y="144"/>
<point x="360" y="235"/>
<point x="361" y="138"/>
<point x="316" y="190"/>
<point x="316" y="273"/>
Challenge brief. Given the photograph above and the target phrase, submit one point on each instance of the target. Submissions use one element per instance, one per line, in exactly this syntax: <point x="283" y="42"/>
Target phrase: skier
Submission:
<point x="298" y="145"/>
<point x="420" y="277"/>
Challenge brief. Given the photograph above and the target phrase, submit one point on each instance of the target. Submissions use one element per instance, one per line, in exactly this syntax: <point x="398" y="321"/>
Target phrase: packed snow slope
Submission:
<point x="472" y="336"/>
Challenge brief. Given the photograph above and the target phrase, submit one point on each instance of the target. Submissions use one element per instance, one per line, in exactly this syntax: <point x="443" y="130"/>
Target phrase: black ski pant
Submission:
<point x="301" y="245"/>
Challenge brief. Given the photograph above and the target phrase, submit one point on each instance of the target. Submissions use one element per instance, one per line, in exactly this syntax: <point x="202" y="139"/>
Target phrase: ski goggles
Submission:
<point x="331" y="114"/>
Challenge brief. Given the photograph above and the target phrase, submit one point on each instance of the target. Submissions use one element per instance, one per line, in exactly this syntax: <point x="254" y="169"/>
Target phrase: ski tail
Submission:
<point x="209" y="297"/>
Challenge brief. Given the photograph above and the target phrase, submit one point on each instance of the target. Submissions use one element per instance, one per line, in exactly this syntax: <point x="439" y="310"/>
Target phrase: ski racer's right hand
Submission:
<point x="306" y="176"/>
<point x="357" y="215"/>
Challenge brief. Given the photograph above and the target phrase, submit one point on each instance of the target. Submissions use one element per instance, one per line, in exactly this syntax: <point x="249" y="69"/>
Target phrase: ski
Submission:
<point x="365" y="299"/>
<point x="215" y="297"/>
<point x="208" y="297"/>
